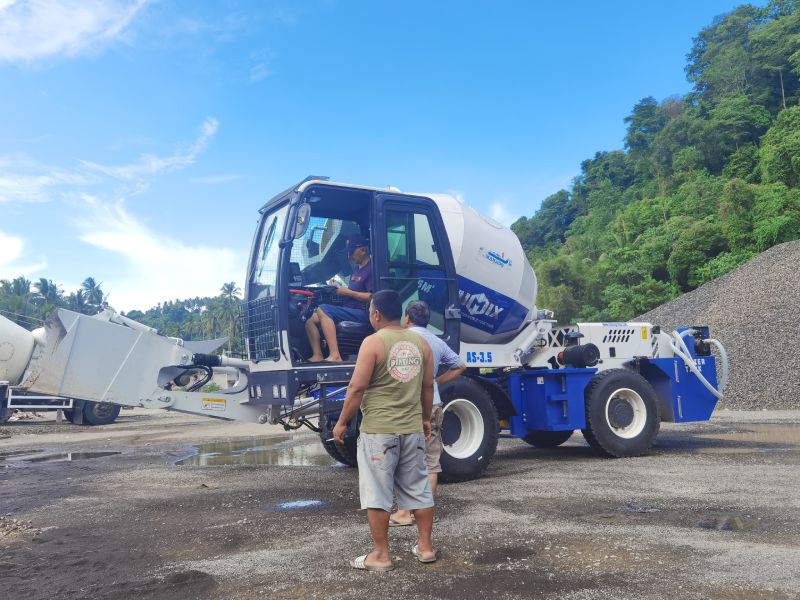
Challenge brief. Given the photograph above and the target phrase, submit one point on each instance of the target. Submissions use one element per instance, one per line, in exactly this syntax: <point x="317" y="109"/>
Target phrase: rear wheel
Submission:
<point x="469" y="430"/>
<point x="100" y="413"/>
<point x="622" y="415"/>
<point x="5" y="413"/>
<point x="547" y="439"/>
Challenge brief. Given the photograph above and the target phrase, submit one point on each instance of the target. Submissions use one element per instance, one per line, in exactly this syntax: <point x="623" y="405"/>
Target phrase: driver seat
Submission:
<point x="350" y="334"/>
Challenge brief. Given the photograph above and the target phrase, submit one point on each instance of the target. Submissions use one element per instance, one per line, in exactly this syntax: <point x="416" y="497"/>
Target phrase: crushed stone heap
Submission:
<point x="755" y="312"/>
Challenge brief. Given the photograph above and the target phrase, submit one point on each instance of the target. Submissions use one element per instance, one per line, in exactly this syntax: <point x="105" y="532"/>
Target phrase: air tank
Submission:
<point x="496" y="284"/>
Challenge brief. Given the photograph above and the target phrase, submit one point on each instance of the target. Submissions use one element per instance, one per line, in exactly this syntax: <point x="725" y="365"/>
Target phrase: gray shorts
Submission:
<point x="393" y="465"/>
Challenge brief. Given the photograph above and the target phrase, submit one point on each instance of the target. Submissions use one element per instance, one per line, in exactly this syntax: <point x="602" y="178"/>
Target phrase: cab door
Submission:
<point x="414" y="258"/>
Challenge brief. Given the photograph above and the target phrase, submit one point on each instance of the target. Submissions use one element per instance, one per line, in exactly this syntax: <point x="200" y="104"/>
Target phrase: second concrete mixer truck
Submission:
<point x="528" y="377"/>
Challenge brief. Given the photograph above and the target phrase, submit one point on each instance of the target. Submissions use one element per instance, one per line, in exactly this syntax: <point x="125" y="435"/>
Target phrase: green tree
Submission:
<point x="780" y="149"/>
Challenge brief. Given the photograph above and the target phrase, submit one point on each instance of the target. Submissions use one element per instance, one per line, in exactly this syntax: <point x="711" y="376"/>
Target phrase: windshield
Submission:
<point x="266" y="271"/>
<point x="320" y="254"/>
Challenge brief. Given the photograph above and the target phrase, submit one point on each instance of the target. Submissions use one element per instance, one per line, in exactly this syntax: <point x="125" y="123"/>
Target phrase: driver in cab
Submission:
<point x="354" y="308"/>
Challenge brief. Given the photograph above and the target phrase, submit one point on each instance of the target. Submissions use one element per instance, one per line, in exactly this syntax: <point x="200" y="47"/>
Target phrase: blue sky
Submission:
<point x="138" y="138"/>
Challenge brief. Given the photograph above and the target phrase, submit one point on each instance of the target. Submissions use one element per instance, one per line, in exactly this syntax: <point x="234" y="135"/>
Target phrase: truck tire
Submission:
<point x="68" y="415"/>
<point x="622" y="415"/>
<point x="547" y="439"/>
<point x="5" y="413"/>
<point x="344" y="454"/>
<point x="469" y="430"/>
<point x="100" y="413"/>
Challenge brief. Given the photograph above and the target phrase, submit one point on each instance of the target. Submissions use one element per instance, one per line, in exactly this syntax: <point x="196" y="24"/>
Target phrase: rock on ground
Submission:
<point x="755" y="312"/>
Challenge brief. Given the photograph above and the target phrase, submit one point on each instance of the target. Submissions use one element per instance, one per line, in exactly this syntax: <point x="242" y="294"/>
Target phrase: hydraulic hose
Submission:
<point x="679" y="348"/>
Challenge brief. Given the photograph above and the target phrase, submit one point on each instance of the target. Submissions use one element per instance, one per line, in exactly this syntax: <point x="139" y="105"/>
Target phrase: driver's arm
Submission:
<point x="360" y="296"/>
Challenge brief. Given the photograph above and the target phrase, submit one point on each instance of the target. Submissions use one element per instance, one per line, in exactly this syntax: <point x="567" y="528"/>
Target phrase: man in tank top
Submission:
<point x="392" y="383"/>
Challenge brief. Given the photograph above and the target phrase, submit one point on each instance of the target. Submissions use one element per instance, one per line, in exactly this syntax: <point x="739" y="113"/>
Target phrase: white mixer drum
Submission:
<point x="496" y="284"/>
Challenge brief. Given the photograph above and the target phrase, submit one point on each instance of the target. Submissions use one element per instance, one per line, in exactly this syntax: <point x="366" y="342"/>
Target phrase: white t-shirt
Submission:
<point x="442" y="355"/>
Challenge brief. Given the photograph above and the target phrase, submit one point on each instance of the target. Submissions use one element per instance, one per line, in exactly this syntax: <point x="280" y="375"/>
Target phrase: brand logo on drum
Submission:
<point x="498" y="258"/>
<point x="479" y="304"/>
<point x="404" y="361"/>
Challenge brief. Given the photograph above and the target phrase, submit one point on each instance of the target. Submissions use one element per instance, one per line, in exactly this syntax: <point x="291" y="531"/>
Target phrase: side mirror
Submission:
<point x="302" y="220"/>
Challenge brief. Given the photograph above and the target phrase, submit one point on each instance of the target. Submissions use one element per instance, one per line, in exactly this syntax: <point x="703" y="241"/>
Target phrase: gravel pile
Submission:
<point x="755" y="312"/>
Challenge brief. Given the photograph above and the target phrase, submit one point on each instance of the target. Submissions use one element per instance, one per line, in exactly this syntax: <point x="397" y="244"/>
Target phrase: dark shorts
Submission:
<point x="344" y="313"/>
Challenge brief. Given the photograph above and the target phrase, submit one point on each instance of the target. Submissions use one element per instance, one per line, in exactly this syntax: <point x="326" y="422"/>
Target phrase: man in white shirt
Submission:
<point x="416" y="319"/>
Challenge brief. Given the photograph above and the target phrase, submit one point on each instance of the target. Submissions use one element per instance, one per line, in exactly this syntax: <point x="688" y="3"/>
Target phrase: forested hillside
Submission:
<point x="704" y="183"/>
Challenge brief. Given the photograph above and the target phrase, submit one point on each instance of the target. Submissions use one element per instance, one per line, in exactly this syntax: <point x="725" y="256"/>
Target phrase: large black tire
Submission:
<point x="344" y="454"/>
<point x="547" y="439"/>
<point x="68" y="415"/>
<point x="100" y="413"/>
<point x="469" y="430"/>
<point x="5" y="413"/>
<point x="622" y="414"/>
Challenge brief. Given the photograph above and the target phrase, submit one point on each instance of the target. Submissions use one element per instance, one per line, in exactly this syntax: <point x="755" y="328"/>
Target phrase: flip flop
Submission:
<point x="396" y="523"/>
<point x="415" y="551"/>
<point x="359" y="563"/>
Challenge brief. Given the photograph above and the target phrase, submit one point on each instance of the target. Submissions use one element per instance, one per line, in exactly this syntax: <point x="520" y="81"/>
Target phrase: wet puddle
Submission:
<point x="299" y="504"/>
<point x="278" y="451"/>
<point x="37" y="456"/>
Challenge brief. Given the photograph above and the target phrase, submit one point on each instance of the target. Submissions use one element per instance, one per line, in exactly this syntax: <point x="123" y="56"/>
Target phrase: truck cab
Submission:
<point x="299" y="254"/>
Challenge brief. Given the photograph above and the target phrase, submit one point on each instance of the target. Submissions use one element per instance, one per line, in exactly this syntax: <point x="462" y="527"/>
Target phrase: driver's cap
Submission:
<point x="356" y="241"/>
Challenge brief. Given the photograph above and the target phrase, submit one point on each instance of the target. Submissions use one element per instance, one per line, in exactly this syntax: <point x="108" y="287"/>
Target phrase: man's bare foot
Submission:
<point x="315" y="358"/>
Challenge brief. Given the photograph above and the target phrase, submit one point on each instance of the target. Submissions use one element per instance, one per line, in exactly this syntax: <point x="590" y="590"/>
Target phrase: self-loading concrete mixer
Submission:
<point x="527" y="377"/>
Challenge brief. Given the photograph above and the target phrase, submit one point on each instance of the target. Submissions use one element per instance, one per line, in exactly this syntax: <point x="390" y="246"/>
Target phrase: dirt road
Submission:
<point x="106" y="512"/>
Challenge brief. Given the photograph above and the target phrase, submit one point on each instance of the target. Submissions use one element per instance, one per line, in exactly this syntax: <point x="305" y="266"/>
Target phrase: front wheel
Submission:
<point x="622" y="415"/>
<point x="469" y="430"/>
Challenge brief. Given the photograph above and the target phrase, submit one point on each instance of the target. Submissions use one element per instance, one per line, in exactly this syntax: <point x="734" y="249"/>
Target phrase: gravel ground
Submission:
<point x="755" y="312"/>
<point x="711" y="513"/>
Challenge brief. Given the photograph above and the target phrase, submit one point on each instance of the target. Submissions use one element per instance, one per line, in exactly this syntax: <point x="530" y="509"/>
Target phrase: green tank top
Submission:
<point x="392" y="402"/>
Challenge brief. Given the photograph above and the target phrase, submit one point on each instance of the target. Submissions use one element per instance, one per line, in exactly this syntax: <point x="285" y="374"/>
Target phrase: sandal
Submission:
<point x="396" y="523"/>
<point x="360" y="563"/>
<point x="415" y="551"/>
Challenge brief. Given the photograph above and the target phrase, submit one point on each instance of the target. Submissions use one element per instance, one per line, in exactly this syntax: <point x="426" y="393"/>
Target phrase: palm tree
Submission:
<point x="228" y="309"/>
<point x="93" y="294"/>
<point x="15" y="300"/>
<point x="48" y="292"/>
<point x="77" y="302"/>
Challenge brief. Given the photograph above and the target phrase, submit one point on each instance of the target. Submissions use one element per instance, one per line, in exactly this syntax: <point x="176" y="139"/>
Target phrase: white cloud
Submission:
<point x="501" y="214"/>
<point x="217" y="179"/>
<point x="259" y="72"/>
<point x="155" y="266"/>
<point x="11" y="252"/>
<point x="150" y="164"/>
<point x="36" y="29"/>
<point x="22" y="179"/>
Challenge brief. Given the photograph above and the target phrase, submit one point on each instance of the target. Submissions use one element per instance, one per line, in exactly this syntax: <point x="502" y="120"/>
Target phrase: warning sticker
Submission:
<point x="214" y="403"/>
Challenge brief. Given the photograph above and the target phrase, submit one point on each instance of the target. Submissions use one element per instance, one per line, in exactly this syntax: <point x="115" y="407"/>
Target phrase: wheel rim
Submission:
<point x="471" y="433"/>
<point x="102" y="410"/>
<point x="626" y="413"/>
